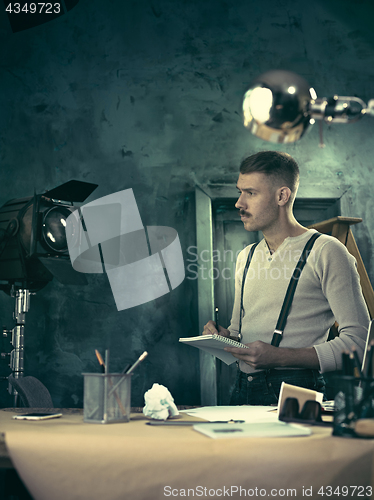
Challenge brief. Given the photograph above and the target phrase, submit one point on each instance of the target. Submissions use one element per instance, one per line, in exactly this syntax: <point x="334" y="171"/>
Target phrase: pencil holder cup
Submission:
<point x="107" y="398"/>
<point x="354" y="400"/>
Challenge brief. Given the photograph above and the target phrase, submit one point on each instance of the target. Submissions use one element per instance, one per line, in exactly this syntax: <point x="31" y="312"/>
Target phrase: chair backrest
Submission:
<point x="33" y="393"/>
<point x="339" y="227"/>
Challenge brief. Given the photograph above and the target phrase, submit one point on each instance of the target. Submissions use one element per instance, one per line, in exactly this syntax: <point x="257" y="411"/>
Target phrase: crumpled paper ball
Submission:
<point x="159" y="403"/>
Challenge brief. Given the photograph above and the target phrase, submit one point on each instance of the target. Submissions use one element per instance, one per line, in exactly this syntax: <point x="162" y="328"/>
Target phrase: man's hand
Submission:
<point x="260" y="355"/>
<point x="210" y="329"/>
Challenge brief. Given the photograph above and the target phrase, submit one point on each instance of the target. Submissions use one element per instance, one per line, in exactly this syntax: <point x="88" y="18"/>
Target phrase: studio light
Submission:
<point x="33" y="247"/>
<point x="33" y="251"/>
<point x="280" y="106"/>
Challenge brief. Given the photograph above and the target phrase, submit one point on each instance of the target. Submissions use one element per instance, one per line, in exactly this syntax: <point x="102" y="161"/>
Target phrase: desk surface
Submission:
<point x="5" y="460"/>
<point x="68" y="459"/>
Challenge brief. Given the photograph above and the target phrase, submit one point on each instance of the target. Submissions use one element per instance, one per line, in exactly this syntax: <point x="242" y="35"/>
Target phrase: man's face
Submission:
<point x="257" y="203"/>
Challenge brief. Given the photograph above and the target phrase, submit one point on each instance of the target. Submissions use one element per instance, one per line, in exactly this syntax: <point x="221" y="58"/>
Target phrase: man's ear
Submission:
<point x="284" y="194"/>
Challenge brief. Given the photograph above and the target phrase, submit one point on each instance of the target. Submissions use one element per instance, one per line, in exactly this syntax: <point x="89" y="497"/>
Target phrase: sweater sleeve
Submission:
<point x="340" y="281"/>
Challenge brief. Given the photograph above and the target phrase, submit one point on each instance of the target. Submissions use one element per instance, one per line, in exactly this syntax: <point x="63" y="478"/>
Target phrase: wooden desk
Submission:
<point x="67" y="459"/>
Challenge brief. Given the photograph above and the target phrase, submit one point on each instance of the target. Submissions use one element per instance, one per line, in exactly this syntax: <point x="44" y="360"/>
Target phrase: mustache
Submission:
<point x="244" y="213"/>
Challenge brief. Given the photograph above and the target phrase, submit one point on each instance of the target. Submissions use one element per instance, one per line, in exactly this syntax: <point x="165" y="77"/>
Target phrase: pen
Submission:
<point x="126" y="368"/>
<point x="216" y="319"/>
<point x="192" y="422"/>
<point x="106" y="364"/>
<point x="139" y="360"/>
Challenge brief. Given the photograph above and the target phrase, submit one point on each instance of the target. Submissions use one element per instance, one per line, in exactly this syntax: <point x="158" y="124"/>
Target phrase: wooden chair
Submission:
<point x="339" y="227"/>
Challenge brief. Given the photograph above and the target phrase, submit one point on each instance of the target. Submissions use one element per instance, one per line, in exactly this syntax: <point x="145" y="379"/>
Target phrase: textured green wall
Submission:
<point x="146" y="95"/>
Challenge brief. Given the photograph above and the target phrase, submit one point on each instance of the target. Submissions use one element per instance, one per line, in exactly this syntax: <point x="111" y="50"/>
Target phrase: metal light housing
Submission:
<point x="33" y="246"/>
<point x="276" y="107"/>
<point x="280" y="106"/>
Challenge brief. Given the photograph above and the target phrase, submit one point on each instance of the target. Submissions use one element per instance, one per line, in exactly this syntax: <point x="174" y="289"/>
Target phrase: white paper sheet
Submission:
<point x="249" y="414"/>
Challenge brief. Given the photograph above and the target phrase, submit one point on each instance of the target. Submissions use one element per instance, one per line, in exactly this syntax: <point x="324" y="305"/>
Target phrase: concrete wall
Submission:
<point x="146" y="95"/>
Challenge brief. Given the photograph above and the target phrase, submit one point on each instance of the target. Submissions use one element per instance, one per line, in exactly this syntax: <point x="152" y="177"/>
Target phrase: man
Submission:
<point x="328" y="290"/>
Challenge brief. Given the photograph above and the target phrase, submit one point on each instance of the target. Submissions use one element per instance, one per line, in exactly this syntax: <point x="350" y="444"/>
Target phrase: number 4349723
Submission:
<point x="33" y="8"/>
<point x="346" y="491"/>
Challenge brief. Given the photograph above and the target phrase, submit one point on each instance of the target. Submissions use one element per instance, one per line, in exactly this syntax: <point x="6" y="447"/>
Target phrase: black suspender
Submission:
<point x="249" y="258"/>
<point x="281" y="323"/>
<point x="282" y="319"/>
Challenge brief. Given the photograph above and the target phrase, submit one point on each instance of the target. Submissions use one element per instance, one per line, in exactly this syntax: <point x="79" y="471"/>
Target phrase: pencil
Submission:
<point x="139" y="360"/>
<point x="100" y="360"/>
<point x="103" y="368"/>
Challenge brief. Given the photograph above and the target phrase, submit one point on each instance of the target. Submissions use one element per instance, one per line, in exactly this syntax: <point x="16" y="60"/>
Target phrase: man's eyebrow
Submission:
<point x="246" y="189"/>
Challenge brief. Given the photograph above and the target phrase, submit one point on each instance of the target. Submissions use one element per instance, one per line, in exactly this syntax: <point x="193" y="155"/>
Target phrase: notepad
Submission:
<point x="257" y="430"/>
<point x="214" y="344"/>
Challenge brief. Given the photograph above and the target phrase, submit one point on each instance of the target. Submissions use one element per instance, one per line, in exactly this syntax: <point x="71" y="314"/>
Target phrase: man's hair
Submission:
<point x="281" y="166"/>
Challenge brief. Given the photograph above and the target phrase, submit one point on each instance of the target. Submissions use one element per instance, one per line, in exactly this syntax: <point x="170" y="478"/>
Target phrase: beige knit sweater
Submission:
<point x="328" y="290"/>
